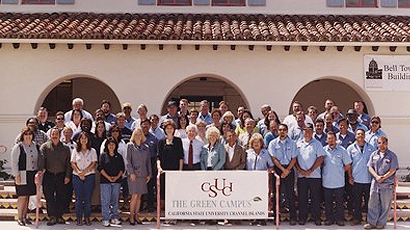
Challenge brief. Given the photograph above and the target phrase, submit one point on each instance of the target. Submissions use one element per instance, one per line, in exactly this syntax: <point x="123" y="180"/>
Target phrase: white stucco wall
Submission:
<point x="272" y="7"/>
<point x="147" y="76"/>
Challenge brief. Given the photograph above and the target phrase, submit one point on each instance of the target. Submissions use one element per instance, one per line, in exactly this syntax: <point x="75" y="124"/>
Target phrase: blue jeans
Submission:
<point x="110" y="194"/>
<point x="379" y="205"/>
<point x="83" y="190"/>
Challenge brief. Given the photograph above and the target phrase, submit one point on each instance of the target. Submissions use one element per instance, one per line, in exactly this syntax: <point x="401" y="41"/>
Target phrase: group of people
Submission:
<point x="334" y="158"/>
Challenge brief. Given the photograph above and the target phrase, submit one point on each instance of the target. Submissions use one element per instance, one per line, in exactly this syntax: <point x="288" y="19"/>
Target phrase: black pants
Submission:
<point x="55" y="193"/>
<point x="308" y="186"/>
<point x="335" y="194"/>
<point x="358" y="191"/>
<point x="287" y="187"/>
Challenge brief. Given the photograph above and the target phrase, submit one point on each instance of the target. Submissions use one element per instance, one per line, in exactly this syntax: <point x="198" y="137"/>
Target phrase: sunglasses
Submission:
<point x="375" y="122"/>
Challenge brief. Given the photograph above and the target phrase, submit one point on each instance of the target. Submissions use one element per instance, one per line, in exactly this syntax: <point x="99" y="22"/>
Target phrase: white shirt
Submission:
<point x="197" y="148"/>
<point x="290" y="121"/>
<point x="84" y="160"/>
<point x="231" y="151"/>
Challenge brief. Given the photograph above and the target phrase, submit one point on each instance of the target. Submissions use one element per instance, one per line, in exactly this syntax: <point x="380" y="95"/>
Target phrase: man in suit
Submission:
<point x="236" y="155"/>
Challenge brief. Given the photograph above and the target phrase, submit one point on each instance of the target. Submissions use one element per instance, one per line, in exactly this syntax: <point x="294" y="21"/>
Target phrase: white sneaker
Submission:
<point x="105" y="223"/>
<point x="115" y="221"/>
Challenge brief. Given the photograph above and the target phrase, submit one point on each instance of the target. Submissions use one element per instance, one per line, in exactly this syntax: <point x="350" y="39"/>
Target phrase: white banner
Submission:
<point x="387" y="72"/>
<point x="216" y="195"/>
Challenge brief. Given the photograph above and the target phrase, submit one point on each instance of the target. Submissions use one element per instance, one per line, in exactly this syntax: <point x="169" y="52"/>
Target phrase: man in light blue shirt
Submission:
<point x="360" y="152"/>
<point x="284" y="152"/>
<point x="382" y="166"/>
<point x="155" y="129"/>
<point x="296" y="132"/>
<point x="336" y="162"/>
<point x="308" y="163"/>
<point x="204" y="112"/>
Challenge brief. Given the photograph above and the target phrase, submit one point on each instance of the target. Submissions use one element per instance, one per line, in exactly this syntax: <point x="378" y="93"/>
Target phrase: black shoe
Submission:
<point x="52" y="221"/>
<point x="87" y="221"/>
<point x="28" y="221"/>
<point x="302" y="222"/>
<point x="79" y="222"/>
<point x="340" y="223"/>
<point x="21" y="222"/>
<point x="329" y="222"/>
<point x="132" y="222"/>
<point x="318" y="223"/>
<point x="292" y="222"/>
<point x="60" y="220"/>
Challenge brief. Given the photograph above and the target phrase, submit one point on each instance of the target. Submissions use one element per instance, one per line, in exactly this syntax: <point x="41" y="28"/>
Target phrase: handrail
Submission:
<point x="277" y="195"/>
<point x="158" y="199"/>
<point x="37" y="181"/>
<point x="396" y="180"/>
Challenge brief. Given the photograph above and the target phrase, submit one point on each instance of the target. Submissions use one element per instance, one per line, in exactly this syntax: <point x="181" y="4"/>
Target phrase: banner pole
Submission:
<point x="158" y="200"/>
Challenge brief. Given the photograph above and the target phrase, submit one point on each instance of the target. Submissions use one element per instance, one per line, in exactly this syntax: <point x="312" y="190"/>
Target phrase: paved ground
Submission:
<point x="11" y="225"/>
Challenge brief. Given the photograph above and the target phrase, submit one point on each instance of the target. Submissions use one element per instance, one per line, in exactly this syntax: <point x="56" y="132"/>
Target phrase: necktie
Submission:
<point x="190" y="155"/>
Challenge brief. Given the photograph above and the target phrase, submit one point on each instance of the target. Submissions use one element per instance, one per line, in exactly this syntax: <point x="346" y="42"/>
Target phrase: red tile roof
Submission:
<point x="225" y="27"/>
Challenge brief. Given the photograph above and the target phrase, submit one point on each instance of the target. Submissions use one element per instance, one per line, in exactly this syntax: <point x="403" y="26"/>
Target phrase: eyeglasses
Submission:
<point x="375" y="122"/>
<point x="59" y="119"/>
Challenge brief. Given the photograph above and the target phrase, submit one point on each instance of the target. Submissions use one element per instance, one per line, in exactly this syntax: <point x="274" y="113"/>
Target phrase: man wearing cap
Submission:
<point x="336" y="162"/>
<point x="127" y="109"/>
<point x="204" y="112"/>
<point x="284" y="152"/>
<point x="172" y="108"/>
<point x="353" y="119"/>
<point x="308" y="162"/>
<point x="360" y="152"/>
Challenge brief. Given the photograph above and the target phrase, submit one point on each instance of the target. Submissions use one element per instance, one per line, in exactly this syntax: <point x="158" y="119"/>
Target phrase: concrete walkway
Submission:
<point x="184" y="225"/>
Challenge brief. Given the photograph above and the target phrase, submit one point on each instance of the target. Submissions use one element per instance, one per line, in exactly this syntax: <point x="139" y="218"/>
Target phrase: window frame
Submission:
<point x="228" y="3"/>
<point x="360" y="4"/>
<point x="38" y="2"/>
<point x="403" y="6"/>
<point x="175" y="3"/>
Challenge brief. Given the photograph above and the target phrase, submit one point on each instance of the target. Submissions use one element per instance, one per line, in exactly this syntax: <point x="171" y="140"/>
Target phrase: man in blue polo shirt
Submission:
<point x="336" y="162"/>
<point x="308" y="163"/>
<point x="284" y="152"/>
<point x="382" y="166"/>
<point x="360" y="152"/>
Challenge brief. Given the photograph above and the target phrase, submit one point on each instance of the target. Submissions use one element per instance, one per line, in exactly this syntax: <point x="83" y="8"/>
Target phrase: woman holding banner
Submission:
<point x="170" y="156"/>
